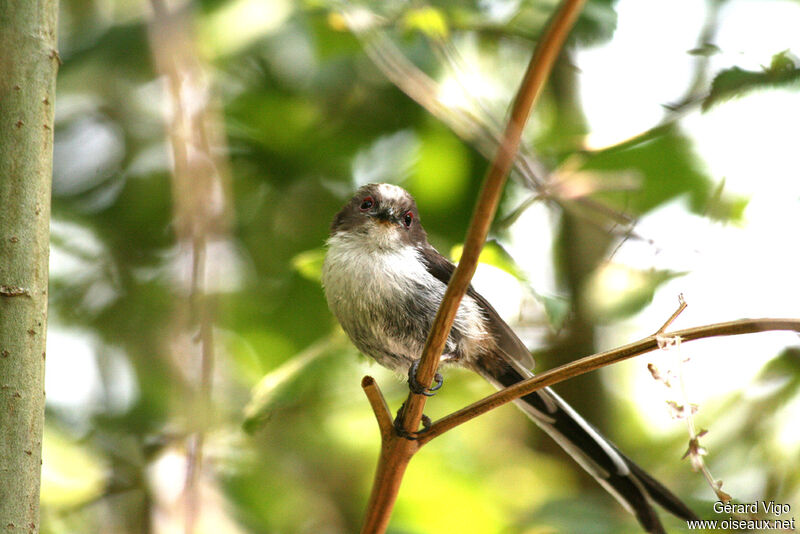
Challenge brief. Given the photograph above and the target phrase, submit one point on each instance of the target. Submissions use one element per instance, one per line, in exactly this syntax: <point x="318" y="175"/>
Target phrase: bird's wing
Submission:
<point x="507" y="341"/>
<point x="625" y="480"/>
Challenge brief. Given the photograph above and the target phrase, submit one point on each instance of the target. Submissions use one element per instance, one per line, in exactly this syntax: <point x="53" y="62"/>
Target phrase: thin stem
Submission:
<point x="476" y="126"/>
<point x="591" y="363"/>
<point x="396" y="451"/>
<point x="379" y="406"/>
<point x="539" y="68"/>
<point x="695" y="94"/>
<point x="201" y="213"/>
<point x="681" y="306"/>
<point x="200" y="303"/>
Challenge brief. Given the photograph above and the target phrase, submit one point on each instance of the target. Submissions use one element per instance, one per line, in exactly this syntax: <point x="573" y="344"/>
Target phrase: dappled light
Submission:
<point x="197" y="381"/>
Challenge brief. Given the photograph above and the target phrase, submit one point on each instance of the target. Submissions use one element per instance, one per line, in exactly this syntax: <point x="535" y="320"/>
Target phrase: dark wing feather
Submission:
<point x="596" y="454"/>
<point x="507" y="341"/>
<point x="635" y="489"/>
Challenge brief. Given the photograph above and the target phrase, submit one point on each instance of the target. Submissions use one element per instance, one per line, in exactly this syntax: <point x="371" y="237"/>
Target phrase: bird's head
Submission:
<point x="383" y="215"/>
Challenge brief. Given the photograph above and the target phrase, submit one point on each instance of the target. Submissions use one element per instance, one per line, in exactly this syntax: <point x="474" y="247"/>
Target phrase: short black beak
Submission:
<point x="386" y="216"/>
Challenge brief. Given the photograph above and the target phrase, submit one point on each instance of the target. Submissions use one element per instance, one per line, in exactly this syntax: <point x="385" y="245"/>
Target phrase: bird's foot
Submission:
<point x="418" y="388"/>
<point x="402" y="432"/>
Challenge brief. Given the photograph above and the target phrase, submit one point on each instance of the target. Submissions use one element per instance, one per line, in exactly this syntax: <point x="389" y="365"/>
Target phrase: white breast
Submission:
<point x="359" y="273"/>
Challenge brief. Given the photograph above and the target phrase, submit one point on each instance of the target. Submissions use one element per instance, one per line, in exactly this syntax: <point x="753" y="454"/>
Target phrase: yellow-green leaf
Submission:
<point x="428" y="20"/>
<point x="309" y="263"/>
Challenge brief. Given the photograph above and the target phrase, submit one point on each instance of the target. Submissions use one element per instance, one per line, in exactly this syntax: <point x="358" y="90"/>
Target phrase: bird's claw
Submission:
<point x="418" y="388"/>
<point x="402" y="432"/>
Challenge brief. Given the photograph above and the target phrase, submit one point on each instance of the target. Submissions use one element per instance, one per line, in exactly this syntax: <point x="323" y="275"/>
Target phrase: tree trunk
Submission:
<point x="28" y="65"/>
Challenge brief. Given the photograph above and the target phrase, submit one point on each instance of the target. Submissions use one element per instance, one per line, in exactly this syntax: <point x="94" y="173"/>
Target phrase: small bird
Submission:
<point x="384" y="282"/>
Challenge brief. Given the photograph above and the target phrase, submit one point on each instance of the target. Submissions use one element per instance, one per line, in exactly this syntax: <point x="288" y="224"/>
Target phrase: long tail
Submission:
<point x="625" y="480"/>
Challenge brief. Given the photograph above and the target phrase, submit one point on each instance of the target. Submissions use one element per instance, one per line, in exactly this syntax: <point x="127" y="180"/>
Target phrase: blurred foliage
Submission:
<point x="637" y="288"/>
<point x="308" y="118"/>
<point x="784" y="70"/>
<point x="663" y="165"/>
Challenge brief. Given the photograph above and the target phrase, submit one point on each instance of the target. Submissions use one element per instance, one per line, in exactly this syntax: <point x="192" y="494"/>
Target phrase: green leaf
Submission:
<point x="309" y="263"/>
<point x="428" y="20"/>
<point x="439" y="177"/>
<point x="588" y="515"/>
<point x="735" y="82"/>
<point x="255" y="115"/>
<point x="555" y="308"/>
<point x="285" y="384"/>
<point x="781" y="376"/>
<point x="493" y="254"/>
<point x="663" y="165"/>
<point x="73" y="473"/>
<point x="616" y="291"/>
<point x="596" y="22"/>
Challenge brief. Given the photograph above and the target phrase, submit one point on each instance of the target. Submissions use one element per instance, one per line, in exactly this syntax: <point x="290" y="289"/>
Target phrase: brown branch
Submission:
<point x="397" y="451"/>
<point x="479" y="126"/>
<point x="379" y="406"/>
<point x="681" y="306"/>
<point x="538" y="69"/>
<point x="596" y="361"/>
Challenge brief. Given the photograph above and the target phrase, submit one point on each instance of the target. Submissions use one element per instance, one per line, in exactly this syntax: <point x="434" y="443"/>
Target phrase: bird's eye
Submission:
<point x="408" y="218"/>
<point x="367" y="203"/>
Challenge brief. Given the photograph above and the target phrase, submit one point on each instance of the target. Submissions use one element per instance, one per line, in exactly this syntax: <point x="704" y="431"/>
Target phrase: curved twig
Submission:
<point x="596" y="361"/>
<point x="396" y="450"/>
<point x="541" y="64"/>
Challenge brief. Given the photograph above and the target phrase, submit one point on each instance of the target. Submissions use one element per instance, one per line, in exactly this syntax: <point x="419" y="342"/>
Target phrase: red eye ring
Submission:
<point x="408" y="218"/>
<point x="367" y="203"/>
